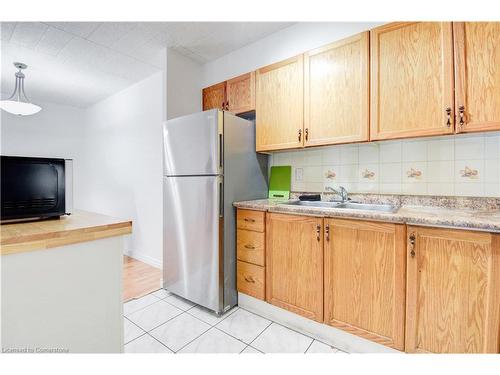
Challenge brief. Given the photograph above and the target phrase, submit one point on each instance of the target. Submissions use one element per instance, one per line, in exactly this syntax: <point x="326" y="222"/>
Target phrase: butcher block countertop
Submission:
<point x="81" y="226"/>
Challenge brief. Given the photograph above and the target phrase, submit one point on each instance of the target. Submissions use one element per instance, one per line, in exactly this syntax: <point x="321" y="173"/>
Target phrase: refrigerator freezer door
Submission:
<point x="192" y="240"/>
<point x="192" y="145"/>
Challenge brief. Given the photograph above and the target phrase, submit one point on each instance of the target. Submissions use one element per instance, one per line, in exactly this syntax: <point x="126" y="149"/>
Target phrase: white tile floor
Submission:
<point x="163" y="323"/>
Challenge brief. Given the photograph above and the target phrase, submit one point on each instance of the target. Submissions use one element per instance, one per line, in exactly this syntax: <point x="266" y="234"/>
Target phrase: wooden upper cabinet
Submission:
<point x="477" y="75"/>
<point x="214" y="96"/>
<point x="336" y="92"/>
<point x="294" y="264"/>
<point x="280" y="105"/>
<point x="365" y="279"/>
<point x="240" y="93"/>
<point x="453" y="291"/>
<point x="411" y="80"/>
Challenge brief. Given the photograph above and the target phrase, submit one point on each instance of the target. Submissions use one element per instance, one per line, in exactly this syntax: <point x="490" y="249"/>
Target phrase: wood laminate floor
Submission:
<point x="139" y="278"/>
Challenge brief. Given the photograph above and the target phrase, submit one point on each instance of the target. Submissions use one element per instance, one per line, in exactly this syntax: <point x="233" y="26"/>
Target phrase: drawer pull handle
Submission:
<point x="250" y="247"/>
<point x="318" y="232"/>
<point x="249" y="279"/>
<point x="327" y="232"/>
<point x="249" y="220"/>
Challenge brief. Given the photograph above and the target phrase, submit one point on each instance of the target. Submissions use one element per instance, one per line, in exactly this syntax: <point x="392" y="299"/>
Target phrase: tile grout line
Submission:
<point x="291" y="329"/>
<point x="197" y="337"/>
<point x="154" y="338"/>
<point x="147" y="331"/>
<point x="264" y="330"/>
<point x="309" y="346"/>
<point x="142" y="308"/>
<point x="213" y="325"/>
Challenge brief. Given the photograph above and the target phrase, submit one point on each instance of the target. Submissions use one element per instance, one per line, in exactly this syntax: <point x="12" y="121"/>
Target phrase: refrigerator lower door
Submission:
<point x="193" y="239"/>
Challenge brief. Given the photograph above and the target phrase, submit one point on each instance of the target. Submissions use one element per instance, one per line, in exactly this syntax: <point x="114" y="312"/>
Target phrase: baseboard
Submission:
<point x="329" y="335"/>
<point x="144" y="258"/>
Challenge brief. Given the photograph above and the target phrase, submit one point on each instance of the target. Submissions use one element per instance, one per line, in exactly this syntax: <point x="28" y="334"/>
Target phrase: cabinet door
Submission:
<point x="411" y="80"/>
<point x="241" y="93"/>
<point x="294" y="264"/>
<point x="453" y="291"/>
<point x="365" y="279"/>
<point x="477" y="75"/>
<point x="279" y="113"/>
<point x="214" y="96"/>
<point x="336" y="92"/>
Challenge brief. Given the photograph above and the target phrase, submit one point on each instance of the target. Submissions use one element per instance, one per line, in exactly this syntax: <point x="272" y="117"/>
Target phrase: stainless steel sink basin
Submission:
<point x="369" y="207"/>
<point x="314" y="204"/>
<point x="345" y="205"/>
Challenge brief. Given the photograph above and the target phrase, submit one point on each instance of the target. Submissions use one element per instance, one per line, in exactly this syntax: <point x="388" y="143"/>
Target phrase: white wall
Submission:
<point x="122" y="163"/>
<point x="56" y="131"/>
<point x="281" y="45"/>
<point x="183" y="85"/>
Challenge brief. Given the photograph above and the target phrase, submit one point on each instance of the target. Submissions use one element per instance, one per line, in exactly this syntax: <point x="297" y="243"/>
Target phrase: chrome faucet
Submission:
<point x="341" y="191"/>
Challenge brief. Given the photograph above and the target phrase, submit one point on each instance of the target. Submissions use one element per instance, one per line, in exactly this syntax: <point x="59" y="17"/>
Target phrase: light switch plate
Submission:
<point x="299" y="174"/>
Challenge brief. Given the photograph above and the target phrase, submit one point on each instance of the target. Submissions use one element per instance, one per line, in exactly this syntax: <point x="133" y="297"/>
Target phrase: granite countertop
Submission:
<point x="482" y="218"/>
<point x="81" y="226"/>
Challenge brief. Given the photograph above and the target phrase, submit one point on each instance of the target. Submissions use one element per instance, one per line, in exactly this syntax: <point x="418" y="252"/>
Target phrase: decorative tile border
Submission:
<point x="460" y="165"/>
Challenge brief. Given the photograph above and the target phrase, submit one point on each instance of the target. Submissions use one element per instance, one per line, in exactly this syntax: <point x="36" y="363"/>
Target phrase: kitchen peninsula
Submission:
<point x="62" y="284"/>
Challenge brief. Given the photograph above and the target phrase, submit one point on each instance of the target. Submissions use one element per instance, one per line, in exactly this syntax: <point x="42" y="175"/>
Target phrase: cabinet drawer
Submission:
<point x="251" y="220"/>
<point x="251" y="280"/>
<point x="250" y="246"/>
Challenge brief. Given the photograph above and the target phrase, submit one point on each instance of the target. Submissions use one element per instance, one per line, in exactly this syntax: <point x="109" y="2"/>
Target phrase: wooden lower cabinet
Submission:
<point x="294" y="264"/>
<point x="365" y="279"/>
<point x="453" y="291"/>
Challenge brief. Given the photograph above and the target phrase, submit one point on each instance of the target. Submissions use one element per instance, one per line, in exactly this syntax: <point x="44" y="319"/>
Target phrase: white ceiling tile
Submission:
<point x="134" y="39"/>
<point x="28" y="34"/>
<point x="110" y="32"/>
<point x="83" y="52"/>
<point x="127" y="67"/>
<point x="151" y="53"/>
<point x="53" y="41"/>
<point x="82" y="29"/>
<point x="6" y="29"/>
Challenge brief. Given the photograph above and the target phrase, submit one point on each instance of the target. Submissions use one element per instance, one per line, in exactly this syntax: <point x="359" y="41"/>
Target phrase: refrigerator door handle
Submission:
<point x="221" y="151"/>
<point x="221" y="198"/>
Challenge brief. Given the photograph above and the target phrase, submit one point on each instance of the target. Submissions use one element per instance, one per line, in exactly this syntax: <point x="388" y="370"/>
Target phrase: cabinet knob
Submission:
<point x="300" y="134"/>
<point x="306" y="133"/>
<point x="448" y="117"/>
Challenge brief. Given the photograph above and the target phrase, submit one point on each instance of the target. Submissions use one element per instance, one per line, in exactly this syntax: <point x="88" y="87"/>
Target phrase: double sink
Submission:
<point x="345" y="205"/>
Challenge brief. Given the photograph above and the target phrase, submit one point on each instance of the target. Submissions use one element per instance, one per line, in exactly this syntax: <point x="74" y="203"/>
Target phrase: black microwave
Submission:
<point x="35" y="188"/>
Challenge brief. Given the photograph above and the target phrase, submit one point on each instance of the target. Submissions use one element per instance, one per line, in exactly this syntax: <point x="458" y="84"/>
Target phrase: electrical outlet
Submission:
<point x="299" y="174"/>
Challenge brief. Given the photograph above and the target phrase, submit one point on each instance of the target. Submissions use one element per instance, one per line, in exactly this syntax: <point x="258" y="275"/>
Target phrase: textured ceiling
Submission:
<point x="80" y="63"/>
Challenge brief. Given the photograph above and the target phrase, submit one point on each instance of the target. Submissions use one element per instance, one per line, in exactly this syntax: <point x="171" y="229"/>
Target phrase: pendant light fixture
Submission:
<point x="18" y="103"/>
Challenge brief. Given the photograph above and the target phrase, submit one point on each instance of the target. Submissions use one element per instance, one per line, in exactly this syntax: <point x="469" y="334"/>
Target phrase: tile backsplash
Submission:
<point x="463" y="165"/>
